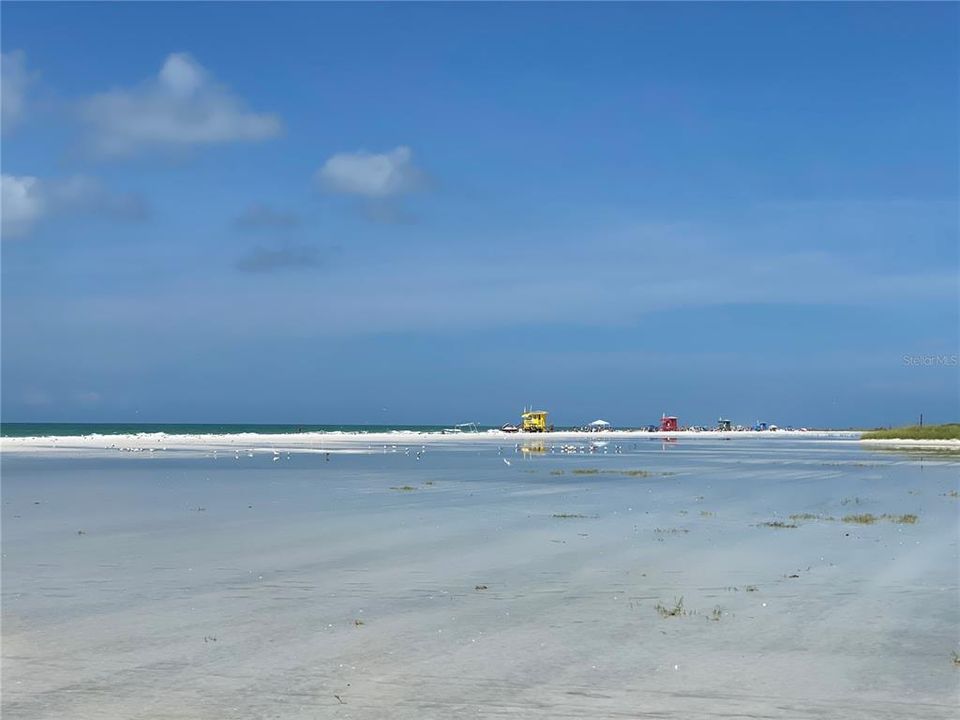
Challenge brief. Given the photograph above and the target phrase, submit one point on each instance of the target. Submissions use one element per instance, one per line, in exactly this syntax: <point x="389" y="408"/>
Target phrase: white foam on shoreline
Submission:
<point x="341" y="441"/>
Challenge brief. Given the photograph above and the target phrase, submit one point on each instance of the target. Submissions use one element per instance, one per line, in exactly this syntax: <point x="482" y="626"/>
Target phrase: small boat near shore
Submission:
<point x="469" y="427"/>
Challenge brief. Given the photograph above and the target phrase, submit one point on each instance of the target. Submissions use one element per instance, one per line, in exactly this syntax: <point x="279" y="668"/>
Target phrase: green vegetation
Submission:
<point x="902" y="519"/>
<point x="627" y="473"/>
<point x="404" y="488"/>
<point x="777" y="524"/>
<point x="949" y="431"/>
<point x="806" y="516"/>
<point x="569" y="516"/>
<point x="862" y="519"/>
<point x="668" y="612"/>
<point x="870" y="519"/>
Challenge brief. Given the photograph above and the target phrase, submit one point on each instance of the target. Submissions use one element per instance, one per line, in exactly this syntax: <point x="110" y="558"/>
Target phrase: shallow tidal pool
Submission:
<point x="700" y="578"/>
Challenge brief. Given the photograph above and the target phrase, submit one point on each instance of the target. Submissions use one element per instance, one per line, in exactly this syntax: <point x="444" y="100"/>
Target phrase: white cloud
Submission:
<point x="14" y="79"/>
<point x="26" y="200"/>
<point x="21" y="204"/>
<point x="182" y="106"/>
<point x="371" y="175"/>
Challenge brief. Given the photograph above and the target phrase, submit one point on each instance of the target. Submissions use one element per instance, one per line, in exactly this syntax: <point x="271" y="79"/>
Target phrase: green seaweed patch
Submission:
<point x="870" y="519"/>
<point x="778" y="524"/>
<point x="671" y="531"/>
<point x="403" y="488"/>
<point x="907" y="519"/>
<point x="570" y="516"/>
<point x="796" y="517"/>
<point x="625" y="473"/>
<point x="706" y="513"/>
<point x="557" y="472"/>
<point x="675" y="610"/>
<point x="861" y="519"/>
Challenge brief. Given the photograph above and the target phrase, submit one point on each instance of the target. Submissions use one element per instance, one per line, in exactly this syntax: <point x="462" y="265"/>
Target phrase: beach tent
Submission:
<point x="599" y="424"/>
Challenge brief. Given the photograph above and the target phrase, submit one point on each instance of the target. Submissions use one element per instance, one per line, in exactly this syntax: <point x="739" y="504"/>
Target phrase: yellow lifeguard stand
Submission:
<point x="534" y="421"/>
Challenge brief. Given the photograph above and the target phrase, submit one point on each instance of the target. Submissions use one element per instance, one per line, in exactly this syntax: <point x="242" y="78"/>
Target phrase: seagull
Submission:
<point x="506" y="461"/>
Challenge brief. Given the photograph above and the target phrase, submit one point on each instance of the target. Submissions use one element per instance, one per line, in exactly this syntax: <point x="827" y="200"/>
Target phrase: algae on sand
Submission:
<point x="676" y="610"/>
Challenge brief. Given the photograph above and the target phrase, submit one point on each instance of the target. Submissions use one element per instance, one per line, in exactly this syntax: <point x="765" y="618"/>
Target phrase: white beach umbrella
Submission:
<point x="599" y="423"/>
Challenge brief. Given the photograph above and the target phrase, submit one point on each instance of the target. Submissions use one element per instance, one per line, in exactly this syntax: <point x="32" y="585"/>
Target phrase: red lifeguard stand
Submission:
<point x="668" y="423"/>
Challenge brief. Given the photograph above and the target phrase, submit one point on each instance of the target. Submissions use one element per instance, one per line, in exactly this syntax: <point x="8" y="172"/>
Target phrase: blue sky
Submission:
<point x="415" y="213"/>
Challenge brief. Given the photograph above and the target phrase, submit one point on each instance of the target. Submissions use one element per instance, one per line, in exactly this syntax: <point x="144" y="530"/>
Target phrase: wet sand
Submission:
<point x="480" y="580"/>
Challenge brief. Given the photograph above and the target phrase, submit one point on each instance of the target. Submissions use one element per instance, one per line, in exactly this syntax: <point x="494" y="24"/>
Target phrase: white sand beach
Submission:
<point x="374" y="441"/>
<point x="911" y="443"/>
